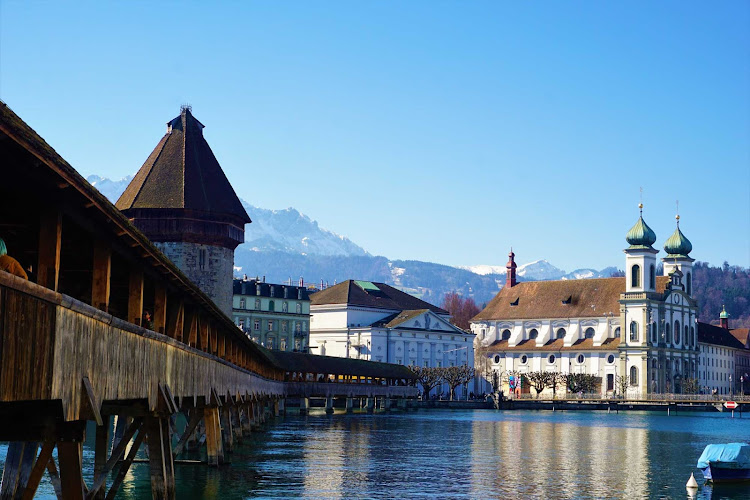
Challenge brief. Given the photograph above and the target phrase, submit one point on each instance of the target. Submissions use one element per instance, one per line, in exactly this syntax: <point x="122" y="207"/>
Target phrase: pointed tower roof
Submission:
<point x="678" y="246"/>
<point x="640" y="235"/>
<point x="183" y="173"/>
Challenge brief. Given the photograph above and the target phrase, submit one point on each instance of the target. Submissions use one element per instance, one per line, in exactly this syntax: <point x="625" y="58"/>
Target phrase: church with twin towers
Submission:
<point x="640" y="327"/>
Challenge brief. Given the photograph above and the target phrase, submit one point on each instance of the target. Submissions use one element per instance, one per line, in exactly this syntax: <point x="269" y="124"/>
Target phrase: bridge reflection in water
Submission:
<point x="73" y="347"/>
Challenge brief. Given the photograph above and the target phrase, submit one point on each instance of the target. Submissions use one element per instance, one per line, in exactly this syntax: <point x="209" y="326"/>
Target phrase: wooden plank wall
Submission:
<point x="124" y="365"/>
<point x="27" y="326"/>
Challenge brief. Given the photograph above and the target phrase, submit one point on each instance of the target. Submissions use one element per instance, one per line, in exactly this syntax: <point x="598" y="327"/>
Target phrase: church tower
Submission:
<point x="640" y="257"/>
<point x="678" y="247"/>
<point x="183" y="202"/>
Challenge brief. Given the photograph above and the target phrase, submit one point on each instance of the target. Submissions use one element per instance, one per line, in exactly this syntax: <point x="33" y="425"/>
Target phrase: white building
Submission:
<point x="374" y="321"/>
<point x="720" y="352"/>
<point x="640" y="326"/>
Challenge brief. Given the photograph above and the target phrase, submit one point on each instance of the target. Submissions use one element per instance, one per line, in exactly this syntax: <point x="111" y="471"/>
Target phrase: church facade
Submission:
<point x="640" y="328"/>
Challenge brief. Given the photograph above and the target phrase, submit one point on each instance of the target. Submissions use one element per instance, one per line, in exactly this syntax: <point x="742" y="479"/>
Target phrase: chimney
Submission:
<point x="510" y="277"/>
<point x="301" y="282"/>
<point x="724" y="318"/>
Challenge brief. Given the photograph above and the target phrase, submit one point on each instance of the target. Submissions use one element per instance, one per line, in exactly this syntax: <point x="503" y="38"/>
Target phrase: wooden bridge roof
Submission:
<point x="309" y="363"/>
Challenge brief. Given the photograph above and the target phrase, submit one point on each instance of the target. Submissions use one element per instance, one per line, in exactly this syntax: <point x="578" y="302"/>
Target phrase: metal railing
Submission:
<point x="661" y="397"/>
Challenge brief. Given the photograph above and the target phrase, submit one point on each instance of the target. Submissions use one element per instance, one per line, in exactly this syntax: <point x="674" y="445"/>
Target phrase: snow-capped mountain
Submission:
<point x="109" y="188"/>
<point x="272" y="230"/>
<point x="541" y="270"/>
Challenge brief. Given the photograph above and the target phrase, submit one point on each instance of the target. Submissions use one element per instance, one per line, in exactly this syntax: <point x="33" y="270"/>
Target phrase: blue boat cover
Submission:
<point x="726" y="456"/>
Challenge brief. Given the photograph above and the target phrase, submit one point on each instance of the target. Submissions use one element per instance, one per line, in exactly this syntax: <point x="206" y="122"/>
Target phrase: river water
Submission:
<point x="460" y="454"/>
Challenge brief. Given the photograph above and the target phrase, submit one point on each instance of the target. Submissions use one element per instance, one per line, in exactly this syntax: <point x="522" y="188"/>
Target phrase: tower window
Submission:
<point x="202" y="258"/>
<point x="635" y="276"/>
<point x="633" y="376"/>
<point x="676" y="332"/>
<point x="633" y="331"/>
<point x="652" y="277"/>
<point x="689" y="282"/>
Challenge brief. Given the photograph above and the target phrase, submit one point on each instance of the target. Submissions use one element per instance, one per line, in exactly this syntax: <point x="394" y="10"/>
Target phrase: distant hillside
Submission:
<point x="718" y="286"/>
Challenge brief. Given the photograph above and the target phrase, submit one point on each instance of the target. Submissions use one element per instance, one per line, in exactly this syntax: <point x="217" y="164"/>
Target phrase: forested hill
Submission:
<point x="725" y="285"/>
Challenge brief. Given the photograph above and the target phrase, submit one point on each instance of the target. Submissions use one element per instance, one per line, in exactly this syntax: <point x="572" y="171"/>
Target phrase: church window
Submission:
<point x="561" y="333"/>
<point x="689" y="281"/>
<point x="617" y="332"/>
<point x="589" y="333"/>
<point x="271" y="306"/>
<point x="692" y="335"/>
<point x="524" y="359"/>
<point x="551" y="359"/>
<point x="580" y="359"/>
<point x="633" y="376"/>
<point x="611" y="359"/>
<point x="533" y="333"/>
<point x="676" y="331"/>
<point x="652" y="277"/>
<point x="654" y="333"/>
<point x="666" y="331"/>
<point x="633" y="331"/>
<point x="285" y="306"/>
<point x="685" y="338"/>
<point x="497" y="359"/>
<point x="506" y="334"/>
<point x="635" y="276"/>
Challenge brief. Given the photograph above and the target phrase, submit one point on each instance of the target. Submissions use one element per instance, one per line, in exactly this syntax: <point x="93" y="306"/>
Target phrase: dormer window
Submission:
<point x="589" y="333"/>
<point x="515" y="302"/>
<point x="533" y="333"/>
<point x="568" y="300"/>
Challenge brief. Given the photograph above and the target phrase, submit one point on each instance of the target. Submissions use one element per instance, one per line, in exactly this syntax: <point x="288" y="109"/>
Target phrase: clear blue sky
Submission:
<point x="438" y="131"/>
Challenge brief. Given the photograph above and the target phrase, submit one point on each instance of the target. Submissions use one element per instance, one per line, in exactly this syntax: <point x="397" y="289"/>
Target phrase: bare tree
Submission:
<point x="622" y="383"/>
<point x="580" y="382"/>
<point x="461" y="309"/>
<point x="428" y="378"/>
<point x="690" y="386"/>
<point x="538" y="380"/>
<point x="455" y="376"/>
<point x="555" y="378"/>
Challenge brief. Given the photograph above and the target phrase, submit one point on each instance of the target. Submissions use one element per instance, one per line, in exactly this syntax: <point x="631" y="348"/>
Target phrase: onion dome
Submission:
<point x="640" y="235"/>
<point x="724" y="314"/>
<point x="678" y="245"/>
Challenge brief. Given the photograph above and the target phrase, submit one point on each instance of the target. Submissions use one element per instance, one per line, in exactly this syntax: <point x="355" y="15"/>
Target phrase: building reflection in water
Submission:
<point x="523" y="457"/>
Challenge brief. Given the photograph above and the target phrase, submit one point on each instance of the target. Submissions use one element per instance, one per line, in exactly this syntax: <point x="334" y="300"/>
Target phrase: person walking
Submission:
<point x="9" y="264"/>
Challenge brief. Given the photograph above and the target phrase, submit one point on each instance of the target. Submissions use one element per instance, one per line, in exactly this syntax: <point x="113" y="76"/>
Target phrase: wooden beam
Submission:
<point x="204" y="335"/>
<point x="50" y="241"/>
<point x="100" y="461"/>
<point x="125" y="466"/>
<point x="214" y="340"/>
<point x="38" y="471"/>
<point x="102" y="273"/>
<point x="54" y="477"/>
<point x="196" y="415"/>
<point x="135" y="296"/>
<point x="160" y="457"/>
<point x="160" y="307"/>
<point x="90" y="405"/>
<point x="19" y="463"/>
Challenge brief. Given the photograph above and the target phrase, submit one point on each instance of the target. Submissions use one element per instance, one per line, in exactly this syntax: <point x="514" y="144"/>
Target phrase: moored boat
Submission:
<point x="725" y="462"/>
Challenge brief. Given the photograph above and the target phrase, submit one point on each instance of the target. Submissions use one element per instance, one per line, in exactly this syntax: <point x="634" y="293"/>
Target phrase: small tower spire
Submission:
<point x="724" y="317"/>
<point x="510" y="267"/>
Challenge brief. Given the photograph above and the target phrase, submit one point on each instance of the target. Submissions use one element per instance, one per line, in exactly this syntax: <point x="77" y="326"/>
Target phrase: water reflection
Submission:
<point x="459" y="454"/>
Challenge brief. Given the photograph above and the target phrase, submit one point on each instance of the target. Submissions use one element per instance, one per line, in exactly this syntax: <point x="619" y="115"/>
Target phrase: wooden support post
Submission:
<point x="349" y="404"/>
<point x="160" y="457"/>
<point x="102" y="272"/>
<point x="71" y="475"/>
<point x="135" y="296"/>
<point x="222" y="345"/>
<point x="194" y="419"/>
<point x="100" y="456"/>
<point x="125" y="466"/>
<point x="160" y="308"/>
<point x="214" y="446"/>
<point x="234" y="416"/>
<point x="54" y="477"/>
<point x="176" y="319"/>
<point x="204" y="335"/>
<point x="226" y="428"/>
<point x="19" y="462"/>
<point x="50" y="239"/>
<point x="191" y="329"/>
<point x="214" y="340"/>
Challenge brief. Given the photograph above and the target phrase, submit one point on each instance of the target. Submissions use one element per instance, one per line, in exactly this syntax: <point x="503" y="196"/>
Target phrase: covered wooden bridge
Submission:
<point x="75" y="347"/>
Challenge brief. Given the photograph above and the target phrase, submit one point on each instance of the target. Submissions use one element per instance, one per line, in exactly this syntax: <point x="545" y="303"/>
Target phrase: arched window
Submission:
<point x="652" y="277"/>
<point x="533" y="333"/>
<point x="685" y="337"/>
<point x="617" y="332"/>
<point x="654" y="333"/>
<point x="257" y="304"/>
<point x="676" y="331"/>
<point x="692" y="336"/>
<point x="506" y="334"/>
<point x="285" y="306"/>
<point x="551" y="359"/>
<point x="580" y="358"/>
<point x="633" y="331"/>
<point x="635" y="276"/>
<point x="589" y="333"/>
<point x="666" y="331"/>
<point x="689" y="281"/>
<point x="561" y="333"/>
<point x="633" y="376"/>
<point x="270" y="305"/>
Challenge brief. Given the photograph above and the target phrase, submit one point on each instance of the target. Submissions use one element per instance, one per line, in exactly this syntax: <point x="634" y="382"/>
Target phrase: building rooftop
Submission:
<point x="560" y="299"/>
<point x="371" y="294"/>
<point x="259" y="288"/>
<point x="183" y="173"/>
<point x="309" y="363"/>
<point x="710" y="334"/>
